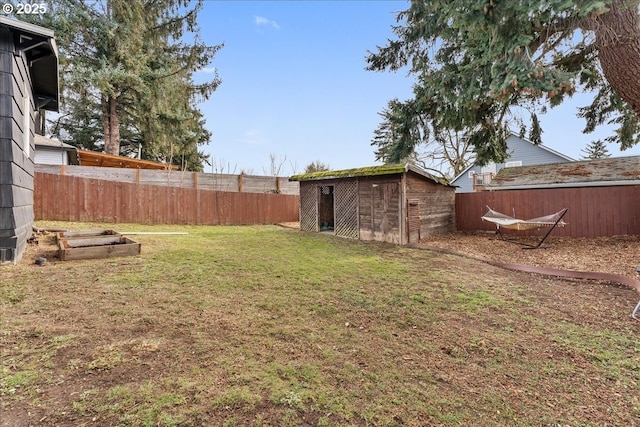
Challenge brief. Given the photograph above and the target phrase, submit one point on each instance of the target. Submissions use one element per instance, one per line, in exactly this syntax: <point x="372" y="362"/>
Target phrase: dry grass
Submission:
<point x="258" y="326"/>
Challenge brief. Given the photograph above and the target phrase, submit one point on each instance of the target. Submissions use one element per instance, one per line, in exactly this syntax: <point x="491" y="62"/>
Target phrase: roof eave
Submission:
<point x="564" y="185"/>
<point x="93" y="158"/>
<point x="55" y="147"/>
<point x="26" y="27"/>
<point x="43" y="66"/>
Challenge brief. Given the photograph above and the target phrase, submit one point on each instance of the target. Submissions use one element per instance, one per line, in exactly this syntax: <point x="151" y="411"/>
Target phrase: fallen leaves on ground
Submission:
<point x="617" y="254"/>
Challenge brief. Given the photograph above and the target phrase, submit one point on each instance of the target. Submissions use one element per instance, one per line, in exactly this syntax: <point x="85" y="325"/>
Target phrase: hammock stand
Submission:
<point x="635" y="310"/>
<point x="506" y="221"/>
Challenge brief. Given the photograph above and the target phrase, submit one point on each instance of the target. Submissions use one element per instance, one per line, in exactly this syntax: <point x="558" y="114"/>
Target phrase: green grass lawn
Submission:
<point x="264" y="326"/>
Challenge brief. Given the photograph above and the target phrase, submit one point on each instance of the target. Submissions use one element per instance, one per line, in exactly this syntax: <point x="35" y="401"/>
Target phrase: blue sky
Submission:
<point x="294" y="86"/>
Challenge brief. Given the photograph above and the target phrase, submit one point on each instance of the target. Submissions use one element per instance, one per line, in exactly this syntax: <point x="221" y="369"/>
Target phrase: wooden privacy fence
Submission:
<point x="593" y="211"/>
<point x="197" y="180"/>
<point x="71" y="198"/>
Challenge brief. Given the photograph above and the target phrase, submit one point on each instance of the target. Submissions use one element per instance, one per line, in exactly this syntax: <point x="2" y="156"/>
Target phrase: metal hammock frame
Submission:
<point x="505" y="221"/>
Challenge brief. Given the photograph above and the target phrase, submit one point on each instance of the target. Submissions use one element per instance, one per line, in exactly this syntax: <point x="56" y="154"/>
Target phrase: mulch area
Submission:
<point x="615" y="255"/>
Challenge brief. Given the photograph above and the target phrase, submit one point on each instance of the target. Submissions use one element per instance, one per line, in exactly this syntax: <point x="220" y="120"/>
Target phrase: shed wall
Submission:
<point x="436" y="203"/>
<point x="377" y="206"/>
<point x="16" y="151"/>
<point x="380" y="208"/>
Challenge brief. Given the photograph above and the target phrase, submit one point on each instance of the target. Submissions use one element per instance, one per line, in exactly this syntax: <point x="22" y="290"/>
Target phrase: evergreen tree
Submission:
<point x="596" y="150"/>
<point x="481" y="66"/>
<point x="316" y="166"/>
<point x="406" y="135"/>
<point x="128" y="77"/>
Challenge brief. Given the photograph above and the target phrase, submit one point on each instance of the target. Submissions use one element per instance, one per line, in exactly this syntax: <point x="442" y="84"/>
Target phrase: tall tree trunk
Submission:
<point x="618" y="41"/>
<point x="105" y="121"/>
<point x="111" y="125"/>
<point x="114" y="122"/>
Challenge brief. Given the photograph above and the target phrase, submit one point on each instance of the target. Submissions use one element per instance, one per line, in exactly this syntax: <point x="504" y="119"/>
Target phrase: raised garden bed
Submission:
<point x="85" y="233"/>
<point x="96" y="246"/>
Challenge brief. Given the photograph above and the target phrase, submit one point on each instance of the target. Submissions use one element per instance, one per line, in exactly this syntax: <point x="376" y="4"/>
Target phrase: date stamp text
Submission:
<point x="24" y="8"/>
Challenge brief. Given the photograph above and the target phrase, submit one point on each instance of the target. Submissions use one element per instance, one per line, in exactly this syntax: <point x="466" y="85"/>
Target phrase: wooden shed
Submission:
<point x="392" y="203"/>
<point x="28" y="83"/>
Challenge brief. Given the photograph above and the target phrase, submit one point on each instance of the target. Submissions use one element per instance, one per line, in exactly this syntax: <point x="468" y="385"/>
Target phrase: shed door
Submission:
<point x="413" y="220"/>
<point x="385" y="212"/>
<point x="326" y="210"/>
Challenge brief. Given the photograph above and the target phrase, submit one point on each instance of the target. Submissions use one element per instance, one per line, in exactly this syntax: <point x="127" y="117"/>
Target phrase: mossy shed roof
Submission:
<point x="392" y="169"/>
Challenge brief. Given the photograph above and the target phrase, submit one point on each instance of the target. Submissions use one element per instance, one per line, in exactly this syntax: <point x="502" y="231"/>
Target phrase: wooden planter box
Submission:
<point x="88" y="247"/>
<point x="85" y="233"/>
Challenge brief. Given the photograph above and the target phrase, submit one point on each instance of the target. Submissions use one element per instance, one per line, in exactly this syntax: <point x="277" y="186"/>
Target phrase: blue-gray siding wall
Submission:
<point x="16" y="163"/>
<point x="518" y="149"/>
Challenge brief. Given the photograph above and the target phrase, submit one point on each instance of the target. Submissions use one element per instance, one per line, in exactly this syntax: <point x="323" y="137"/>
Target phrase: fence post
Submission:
<point x="240" y="182"/>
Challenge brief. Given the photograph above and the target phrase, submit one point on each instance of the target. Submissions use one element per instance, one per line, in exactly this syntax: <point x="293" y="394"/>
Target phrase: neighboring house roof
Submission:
<point x="366" y="171"/>
<point x="541" y="146"/>
<point x="93" y="158"/>
<point x="584" y="173"/>
<point x="52" y="144"/>
<point x="41" y="141"/>
<point x="41" y="53"/>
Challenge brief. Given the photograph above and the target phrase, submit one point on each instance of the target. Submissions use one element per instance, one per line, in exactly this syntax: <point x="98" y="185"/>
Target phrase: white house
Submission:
<point x="52" y="152"/>
<point x="521" y="153"/>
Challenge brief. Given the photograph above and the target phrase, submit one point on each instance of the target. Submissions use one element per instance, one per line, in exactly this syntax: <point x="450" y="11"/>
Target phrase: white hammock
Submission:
<point x="506" y="221"/>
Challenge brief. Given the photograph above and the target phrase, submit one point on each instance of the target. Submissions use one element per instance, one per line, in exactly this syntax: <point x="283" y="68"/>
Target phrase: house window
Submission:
<point x="471" y="173"/>
<point x="482" y="179"/>
<point x="513" y="164"/>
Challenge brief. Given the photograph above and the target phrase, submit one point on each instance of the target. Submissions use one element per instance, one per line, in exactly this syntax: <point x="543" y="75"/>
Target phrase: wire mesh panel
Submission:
<point x="308" y="208"/>
<point x="346" y="208"/>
